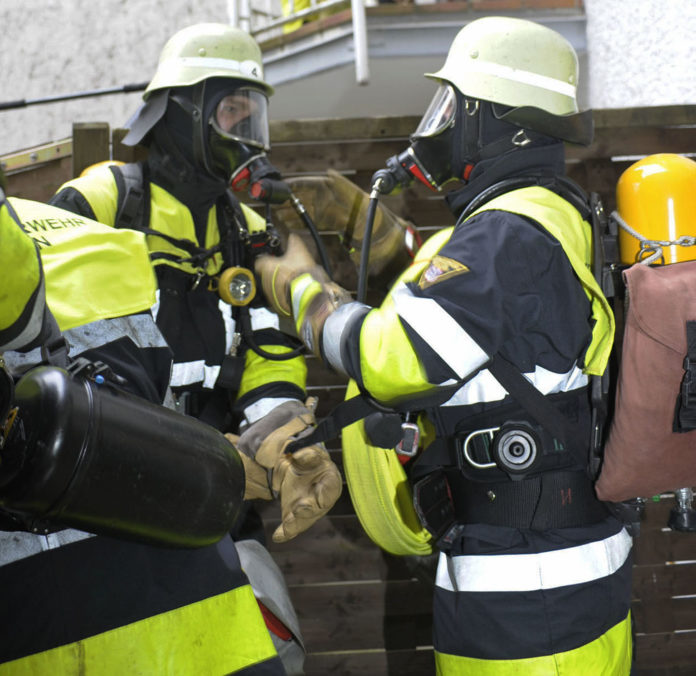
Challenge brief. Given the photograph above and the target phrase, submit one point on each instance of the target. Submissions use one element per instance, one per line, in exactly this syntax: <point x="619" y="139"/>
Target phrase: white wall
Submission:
<point x="52" y="47"/>
<point x="641" y="52"/>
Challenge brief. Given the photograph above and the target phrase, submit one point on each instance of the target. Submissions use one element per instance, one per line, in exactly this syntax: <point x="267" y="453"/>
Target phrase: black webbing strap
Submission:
<point x="360" y="406"/>
<point x="133" y="212"/>
<point x="562" y="499"/>
<point x="346" y="413"/>
<point x="685" y="418"/>
<point x="538" y="406"/>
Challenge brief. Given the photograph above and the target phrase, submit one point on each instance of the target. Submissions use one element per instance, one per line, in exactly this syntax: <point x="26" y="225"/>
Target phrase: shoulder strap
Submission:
<point x="133" y="205"/>
<point x="538" y="406"/>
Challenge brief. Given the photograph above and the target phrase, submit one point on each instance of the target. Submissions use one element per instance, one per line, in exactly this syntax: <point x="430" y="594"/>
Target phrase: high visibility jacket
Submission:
<point x="92" y="271"/>
<point x="513" y="279"/>
<point x="97" y="604"/>
<point x="99" y="287"/>
<point x="23" y="294"/>
<point x="200" y="328"/>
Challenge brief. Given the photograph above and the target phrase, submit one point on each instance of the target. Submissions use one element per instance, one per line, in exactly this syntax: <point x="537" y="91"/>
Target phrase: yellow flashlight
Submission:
<point x="237" y="286"/>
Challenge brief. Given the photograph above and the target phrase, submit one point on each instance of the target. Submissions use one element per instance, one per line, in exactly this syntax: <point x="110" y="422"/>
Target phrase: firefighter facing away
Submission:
<point x="534" y="573"/>
<point x="117" y="602"/>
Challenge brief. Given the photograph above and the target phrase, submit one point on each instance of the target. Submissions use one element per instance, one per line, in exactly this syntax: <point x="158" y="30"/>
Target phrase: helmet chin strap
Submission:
<point x="481" y="135"/>
<point x="201" y="149"/>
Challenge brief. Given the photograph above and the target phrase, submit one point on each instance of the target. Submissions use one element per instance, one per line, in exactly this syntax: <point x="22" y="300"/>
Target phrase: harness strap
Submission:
<point x="446" y="501"/>
<point x="685" y="419"/>
<point x="561" y="499"/>
<point x="133" y="212"/>
<point x="539" y="407"/>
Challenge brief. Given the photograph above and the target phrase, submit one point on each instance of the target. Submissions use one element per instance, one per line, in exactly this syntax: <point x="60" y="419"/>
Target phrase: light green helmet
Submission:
<point x="524" y="65"/>
<point x="513" y="62"/>
<point x="208" y="50"/>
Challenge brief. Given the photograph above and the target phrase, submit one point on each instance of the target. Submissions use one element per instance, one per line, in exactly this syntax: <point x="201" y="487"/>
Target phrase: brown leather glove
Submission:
<point x="278" y="272"/>
<point x="311" y="311"/>
<point x="307" y="481"/>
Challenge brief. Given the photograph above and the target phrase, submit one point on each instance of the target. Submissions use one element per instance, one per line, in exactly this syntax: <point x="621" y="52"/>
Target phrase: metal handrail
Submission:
<point x="242" y="15"/>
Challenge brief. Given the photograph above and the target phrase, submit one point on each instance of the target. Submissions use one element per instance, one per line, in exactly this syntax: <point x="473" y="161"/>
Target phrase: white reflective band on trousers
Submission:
<point x="440" y="331"/>
<point x="530" y="572"/>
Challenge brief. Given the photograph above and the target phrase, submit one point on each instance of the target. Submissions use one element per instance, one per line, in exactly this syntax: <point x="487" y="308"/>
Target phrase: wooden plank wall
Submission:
<point x="364" y="612"/>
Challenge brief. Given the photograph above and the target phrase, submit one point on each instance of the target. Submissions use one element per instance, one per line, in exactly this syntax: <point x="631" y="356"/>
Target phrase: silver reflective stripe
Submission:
<point x="522" y="76"/>
<point x="190" y="372"/>
<point x="440" y="331"/>
<point x="262" y="407"/>
<point x="17" y="545"/>
<point x="484" y="387"/>
<point x="230" y="324"/>
<point x="263" y="318"/>
<point x="141" y="329"/>
<point x="333" y="331"/>
<point x="298" y="290"/>
<point x="529" y="572"/>
<point x="33" y="327"/>
<point x="155" y="308"/>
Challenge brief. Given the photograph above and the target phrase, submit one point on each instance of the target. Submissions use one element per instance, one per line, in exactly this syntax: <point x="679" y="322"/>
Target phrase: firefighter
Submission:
<point x="204" y="121"/>
<point x="75" y="601"/>
<point x="534" y="573"/>
<point x="25" y="319"/>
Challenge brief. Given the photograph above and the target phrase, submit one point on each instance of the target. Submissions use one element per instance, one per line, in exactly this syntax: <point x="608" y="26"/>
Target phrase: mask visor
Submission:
<point x="440" y="113"/>
<point x="242" y="115"/>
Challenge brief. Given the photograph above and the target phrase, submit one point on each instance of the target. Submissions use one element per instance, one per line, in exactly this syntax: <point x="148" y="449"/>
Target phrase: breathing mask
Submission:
<point x="236" y="129"/>
<point x="455" y="133"/>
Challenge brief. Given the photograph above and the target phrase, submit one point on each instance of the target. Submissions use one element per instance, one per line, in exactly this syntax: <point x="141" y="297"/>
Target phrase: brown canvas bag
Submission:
<point x="644" y="456"/>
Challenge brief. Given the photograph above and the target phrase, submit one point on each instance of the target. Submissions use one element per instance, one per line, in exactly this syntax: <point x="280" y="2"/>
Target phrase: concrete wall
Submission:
<point x="641" y="52"/>
<point x="52" y="47"/>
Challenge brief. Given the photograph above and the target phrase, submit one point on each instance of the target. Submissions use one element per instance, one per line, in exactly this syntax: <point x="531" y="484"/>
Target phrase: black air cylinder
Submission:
<point x="104" y="461"/>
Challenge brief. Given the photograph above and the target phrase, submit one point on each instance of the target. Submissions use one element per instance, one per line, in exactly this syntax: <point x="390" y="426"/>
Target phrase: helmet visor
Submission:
<point x="440" y="113"/>
<point x="242" y="115"/>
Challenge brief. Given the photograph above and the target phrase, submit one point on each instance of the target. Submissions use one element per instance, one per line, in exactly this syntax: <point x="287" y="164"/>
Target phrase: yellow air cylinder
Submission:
<point x="656" y="197"/>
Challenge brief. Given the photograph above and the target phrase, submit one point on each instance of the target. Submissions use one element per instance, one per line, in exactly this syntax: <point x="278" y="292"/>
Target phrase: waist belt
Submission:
<point x="549" y="500"/>
<point x="446" y="499"/>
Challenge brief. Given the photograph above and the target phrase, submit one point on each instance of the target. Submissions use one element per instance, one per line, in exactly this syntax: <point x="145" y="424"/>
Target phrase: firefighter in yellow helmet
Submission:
<point x="495" y="332"/>
<point x="204" y="121"/>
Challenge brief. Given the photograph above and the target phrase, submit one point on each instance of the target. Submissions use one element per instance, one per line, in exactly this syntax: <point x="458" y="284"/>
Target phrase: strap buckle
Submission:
<point x="478" y="442"/>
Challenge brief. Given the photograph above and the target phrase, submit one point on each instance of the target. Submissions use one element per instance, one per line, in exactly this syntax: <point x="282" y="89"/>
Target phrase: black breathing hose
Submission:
<point x="367" y="239"/>
<point x="302" y="213"/>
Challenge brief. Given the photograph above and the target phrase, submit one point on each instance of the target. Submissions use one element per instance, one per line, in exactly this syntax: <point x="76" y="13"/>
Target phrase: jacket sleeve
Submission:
<point x="25" y="320"/>
<point x="94" y="196"/>
<point x="492" y="286"/>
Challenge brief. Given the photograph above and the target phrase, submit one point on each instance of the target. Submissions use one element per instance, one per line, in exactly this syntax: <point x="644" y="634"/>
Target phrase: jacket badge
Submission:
<point x="440" y="269"/>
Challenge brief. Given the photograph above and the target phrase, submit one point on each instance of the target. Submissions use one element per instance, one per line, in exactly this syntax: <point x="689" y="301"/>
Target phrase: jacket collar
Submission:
<point x="547" y="160"/>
